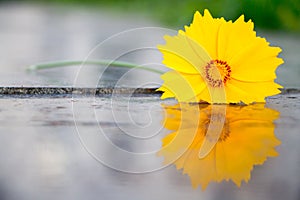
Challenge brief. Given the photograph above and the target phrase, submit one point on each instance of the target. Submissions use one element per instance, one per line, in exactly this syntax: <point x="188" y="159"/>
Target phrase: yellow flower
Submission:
<point x="219" y="61"/>
<point x="247" y="139"/>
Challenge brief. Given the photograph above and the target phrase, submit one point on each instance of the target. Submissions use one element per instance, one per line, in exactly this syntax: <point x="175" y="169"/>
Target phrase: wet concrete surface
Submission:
<point x="45" y="155"/>
<point x="50" y="144"/>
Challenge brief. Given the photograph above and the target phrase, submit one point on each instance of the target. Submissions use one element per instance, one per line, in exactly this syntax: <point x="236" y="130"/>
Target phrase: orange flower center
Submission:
<point x="225" y="131"/>
<point x="217" y="72"/>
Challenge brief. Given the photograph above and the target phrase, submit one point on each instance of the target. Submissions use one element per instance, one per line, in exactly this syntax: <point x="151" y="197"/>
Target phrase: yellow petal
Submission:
<point x="212" y="95"/>
<point x="234" y="37"/>
<point x="181" y="86"/>
<point x="250" y="57"/>
<point x="249" y="92"/>
<point x="183" y="54"/>
<point x="204" y="30"/>
<point x="257" y="62"/>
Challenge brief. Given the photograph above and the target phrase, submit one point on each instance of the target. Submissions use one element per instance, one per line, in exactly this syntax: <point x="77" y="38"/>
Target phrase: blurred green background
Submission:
<point x="266" y="14"/>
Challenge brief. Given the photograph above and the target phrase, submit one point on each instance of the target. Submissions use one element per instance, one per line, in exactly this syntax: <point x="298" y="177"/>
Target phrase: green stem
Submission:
<point x="109" y="63"/>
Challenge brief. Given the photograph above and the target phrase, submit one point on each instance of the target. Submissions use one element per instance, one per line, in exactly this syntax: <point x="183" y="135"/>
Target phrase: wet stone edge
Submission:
<point x="66" y="91"/>
<point x="102" y="91"/>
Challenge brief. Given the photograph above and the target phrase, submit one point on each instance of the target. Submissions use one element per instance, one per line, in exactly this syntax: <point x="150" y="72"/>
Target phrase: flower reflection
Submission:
<point x="247" y="139"/>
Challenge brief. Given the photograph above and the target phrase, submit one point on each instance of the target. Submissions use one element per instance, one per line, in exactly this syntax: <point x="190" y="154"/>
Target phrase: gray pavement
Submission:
<point x="50" y="147"/>
<point x="50" y="144"/>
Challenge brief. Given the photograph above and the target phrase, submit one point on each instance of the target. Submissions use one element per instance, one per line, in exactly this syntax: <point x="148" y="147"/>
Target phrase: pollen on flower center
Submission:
<point x="214" y="69"/>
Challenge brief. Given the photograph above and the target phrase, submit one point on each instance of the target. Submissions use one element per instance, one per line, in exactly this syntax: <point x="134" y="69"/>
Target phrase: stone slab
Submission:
<point x="42" y="155"/>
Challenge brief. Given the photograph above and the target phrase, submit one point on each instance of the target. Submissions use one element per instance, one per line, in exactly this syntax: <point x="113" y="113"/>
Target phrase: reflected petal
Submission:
<point x="246" y="139"/>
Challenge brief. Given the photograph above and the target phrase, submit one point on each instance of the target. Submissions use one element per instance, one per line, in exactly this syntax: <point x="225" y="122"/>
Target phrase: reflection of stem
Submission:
<point x="109" y="63"/>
